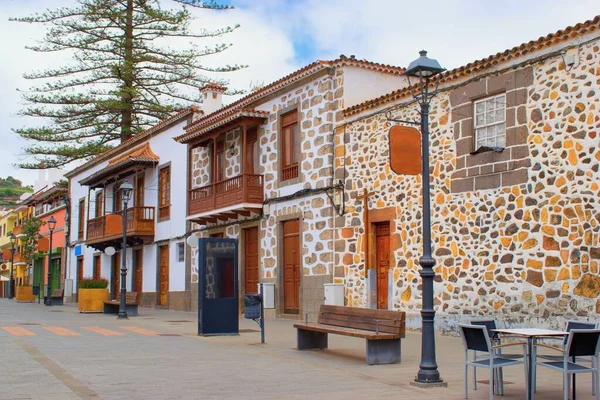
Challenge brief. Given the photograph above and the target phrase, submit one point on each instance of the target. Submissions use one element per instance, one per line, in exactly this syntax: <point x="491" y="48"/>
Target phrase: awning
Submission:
<point x="118" y="167"/>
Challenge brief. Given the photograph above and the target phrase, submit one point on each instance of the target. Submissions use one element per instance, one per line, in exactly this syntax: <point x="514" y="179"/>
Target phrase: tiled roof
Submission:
<point x="486" y="63"/>
<point x="133" y="140"/>
<point x="44" y="194"/>
<point x="142" y="155"/>
<point x="216" y="121"/>
<point x="295" y="76"/>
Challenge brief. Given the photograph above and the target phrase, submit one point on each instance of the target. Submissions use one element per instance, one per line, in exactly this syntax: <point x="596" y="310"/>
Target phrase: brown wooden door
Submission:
<point x="99" y="204"/>
<point x="98" y="267"/>
<point x="251" y="260"/>
<point x="138" y="271"/>
<point x="252" y="151"/>
<point x="140" y="185"/>
<point x="79" y="270"/>
<point x="291" y="266"/>
<point x="116" y="282"/>
<point x="382" y="235"/>
<point x="163" y="276"/>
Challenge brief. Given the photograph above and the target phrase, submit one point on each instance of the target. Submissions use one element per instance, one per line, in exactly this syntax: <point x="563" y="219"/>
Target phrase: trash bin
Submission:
<point x="36" y="290"/>
<point x="252" y="304"/>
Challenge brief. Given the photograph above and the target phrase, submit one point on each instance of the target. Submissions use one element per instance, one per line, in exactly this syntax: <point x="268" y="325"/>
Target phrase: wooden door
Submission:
<point x="382" y="245"/>
<point x="116" y="273"/>
<point x="140" y="185"/>
<point x="79" y="270"/>
<point x="56" y="278"/>
<point x="291" y="266"/>
<point x="251" y="260"/>
<point x="163" y="275"/>
<point x="252" y="151"/>
<point x="99" y="207"/>
<point x="98" y="267"/>
<point x="138" y="271"/>
<point x="220" y="161"/>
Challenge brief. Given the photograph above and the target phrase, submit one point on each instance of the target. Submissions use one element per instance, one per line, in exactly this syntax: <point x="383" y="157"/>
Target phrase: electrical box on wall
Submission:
<point x="334" y="294"/>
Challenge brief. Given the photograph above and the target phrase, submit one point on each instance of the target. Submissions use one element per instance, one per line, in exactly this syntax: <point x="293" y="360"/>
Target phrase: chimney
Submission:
<point x="212" y="97"/>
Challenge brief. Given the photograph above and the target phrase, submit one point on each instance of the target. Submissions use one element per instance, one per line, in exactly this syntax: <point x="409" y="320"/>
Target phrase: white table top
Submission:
<point x="531" y="332"/>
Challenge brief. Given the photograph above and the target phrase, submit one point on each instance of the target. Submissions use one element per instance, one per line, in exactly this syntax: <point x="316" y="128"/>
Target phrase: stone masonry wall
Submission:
<point x="526" y="252"/>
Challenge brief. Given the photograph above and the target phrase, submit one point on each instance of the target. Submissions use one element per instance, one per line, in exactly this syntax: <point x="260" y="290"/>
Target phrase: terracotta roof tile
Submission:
<point x="216" y="121"/>
<point x="486" y="63"/>
<point x="133" y="140"/>
<point x="142" y="153"/>
<point x="295" y="76"/>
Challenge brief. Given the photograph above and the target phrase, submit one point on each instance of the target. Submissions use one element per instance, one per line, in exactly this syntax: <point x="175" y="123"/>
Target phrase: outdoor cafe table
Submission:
<point x="531" y="334"/>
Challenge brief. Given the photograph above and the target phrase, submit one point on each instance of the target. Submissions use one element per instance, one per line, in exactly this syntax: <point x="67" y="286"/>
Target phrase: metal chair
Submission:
<point x="476" y="338"/>
<point x="495" y="339"/>
<point x="558" y="357"/>
<point x="580" y="343"/>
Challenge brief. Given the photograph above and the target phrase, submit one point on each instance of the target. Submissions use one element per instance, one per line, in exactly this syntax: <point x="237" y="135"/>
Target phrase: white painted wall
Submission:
<point x="169" y="151"/>
<point x="361" y="85"/>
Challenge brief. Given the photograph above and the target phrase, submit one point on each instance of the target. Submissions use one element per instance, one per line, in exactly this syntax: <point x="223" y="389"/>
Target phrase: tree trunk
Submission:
<point x="127" y="90"/>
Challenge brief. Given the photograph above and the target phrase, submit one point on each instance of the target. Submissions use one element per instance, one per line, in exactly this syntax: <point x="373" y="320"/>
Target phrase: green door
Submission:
<point x="38" y="274"/>
<point x="55" y="274"/>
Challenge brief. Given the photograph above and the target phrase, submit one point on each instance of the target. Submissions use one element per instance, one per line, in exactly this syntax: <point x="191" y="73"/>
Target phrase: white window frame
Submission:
<point x="491" y="122"/>
<point x="180" y="249"/>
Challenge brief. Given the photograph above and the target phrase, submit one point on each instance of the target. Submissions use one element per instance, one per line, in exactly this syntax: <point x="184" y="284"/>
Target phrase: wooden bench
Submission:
<point x="131" y="305"/>
<point x="56" y="298"/>
<point x="382" y="329"/>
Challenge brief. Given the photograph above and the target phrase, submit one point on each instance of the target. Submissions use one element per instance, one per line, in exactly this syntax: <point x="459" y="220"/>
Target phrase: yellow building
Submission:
<point x="21" y="271"/>
<point x="7" y="224"/>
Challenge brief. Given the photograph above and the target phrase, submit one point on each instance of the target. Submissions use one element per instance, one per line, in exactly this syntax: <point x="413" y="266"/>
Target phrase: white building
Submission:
<point x="156" y="220"/>
<point x="261" y="171"/>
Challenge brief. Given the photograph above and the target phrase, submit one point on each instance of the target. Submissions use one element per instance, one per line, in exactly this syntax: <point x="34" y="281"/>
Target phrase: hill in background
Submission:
<point x="10" y="191"/>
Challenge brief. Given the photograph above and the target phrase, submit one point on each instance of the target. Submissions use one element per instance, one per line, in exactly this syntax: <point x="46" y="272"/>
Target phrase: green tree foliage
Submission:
<point x="125" y="74"/>
<point x="31" y="230"/>
<point x="10" y="191"/>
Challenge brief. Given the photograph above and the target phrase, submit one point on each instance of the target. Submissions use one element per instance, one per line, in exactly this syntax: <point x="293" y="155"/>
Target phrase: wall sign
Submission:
<point x="405" y="150"/>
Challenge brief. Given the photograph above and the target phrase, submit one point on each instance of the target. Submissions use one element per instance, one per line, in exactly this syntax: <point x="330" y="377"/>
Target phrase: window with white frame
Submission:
<point x="490" y="122"/>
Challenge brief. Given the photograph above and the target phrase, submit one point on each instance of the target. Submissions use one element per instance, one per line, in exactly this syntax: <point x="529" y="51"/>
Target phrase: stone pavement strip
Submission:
<point x="58" y="353"/>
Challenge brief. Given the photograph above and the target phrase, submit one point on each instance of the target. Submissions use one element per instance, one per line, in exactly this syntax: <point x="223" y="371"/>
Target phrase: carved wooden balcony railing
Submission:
<point x="140" y="223"/>
<point x="245" y="188"/>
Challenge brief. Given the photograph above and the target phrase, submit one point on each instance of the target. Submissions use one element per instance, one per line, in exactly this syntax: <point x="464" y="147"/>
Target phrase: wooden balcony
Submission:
<point x="107" y="230"/>
<point x="226" y="199"/>
<point x="19" y="258"/>
<point x="18" y="230"/>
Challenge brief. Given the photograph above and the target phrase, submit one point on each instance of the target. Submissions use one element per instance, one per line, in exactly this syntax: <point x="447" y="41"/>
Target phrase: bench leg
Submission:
<point x="383" y="352"/>
<point x="311" y="340"/>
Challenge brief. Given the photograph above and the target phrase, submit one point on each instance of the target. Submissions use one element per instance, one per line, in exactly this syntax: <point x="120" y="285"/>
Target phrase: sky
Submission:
<point x="276" y="37"/>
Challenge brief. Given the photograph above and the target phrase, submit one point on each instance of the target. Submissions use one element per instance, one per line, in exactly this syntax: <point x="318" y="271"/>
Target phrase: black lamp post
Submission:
<point x="126" y="190"/>
<point x="425" y="69"/>
<point x="13" y="240"/>
<point x="51" y="225"/>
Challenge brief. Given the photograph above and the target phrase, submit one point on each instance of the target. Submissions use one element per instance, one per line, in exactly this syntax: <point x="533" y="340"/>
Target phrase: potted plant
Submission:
<point x="92" y="293"/>
<point x="25" y="294"/>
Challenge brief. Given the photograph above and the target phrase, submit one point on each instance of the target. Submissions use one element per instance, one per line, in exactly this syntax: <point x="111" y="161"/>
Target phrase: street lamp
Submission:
<point x="126" y="190"/>
<point x="13" y="240"/>
<point x="51" y="225"/>
<point x="425" y="69"/>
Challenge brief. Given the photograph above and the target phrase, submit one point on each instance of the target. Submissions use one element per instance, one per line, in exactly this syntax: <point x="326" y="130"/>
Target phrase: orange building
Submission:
<point x="51" y="202"/>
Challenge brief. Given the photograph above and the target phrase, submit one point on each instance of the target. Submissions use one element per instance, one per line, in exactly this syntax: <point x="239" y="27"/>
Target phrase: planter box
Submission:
<point x="91" y="300"/>
<point x="25" y="294"/>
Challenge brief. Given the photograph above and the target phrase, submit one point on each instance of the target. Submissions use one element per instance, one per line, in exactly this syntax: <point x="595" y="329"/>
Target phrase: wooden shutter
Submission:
<point x="81" y="219"/>
<point x="289" y="145"/>
<point x="164" y="210"/>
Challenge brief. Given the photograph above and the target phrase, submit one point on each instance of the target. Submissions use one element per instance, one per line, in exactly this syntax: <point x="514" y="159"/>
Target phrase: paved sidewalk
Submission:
<point x="57" y="353"/>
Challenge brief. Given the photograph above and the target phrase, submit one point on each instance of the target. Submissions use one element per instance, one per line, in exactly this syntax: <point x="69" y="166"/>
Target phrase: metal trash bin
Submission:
<point x="252" y="303"/>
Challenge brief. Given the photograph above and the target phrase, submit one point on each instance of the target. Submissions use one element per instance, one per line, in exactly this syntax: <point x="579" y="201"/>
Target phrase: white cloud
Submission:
<point x="389" y="31"/>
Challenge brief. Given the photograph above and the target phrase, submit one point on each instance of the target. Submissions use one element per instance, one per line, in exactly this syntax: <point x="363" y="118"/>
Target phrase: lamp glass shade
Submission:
<point x="51" y="223"/>
<point x="13" y="238"/>
<point x="424" y="66"/>
<point x="126" y="189"/>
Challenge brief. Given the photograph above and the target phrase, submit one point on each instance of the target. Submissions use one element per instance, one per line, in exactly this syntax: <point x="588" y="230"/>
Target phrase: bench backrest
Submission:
<point x="131" y="297"/>
<point x="58" y="293"/>
<point x="363" y="318"/>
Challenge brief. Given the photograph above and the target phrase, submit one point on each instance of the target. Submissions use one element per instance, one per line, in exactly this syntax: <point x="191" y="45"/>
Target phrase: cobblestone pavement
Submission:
<point x="57" y="353"/>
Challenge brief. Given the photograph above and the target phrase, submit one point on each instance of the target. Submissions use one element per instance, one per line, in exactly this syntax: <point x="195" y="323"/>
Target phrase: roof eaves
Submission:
<point x="478" y="65"/>
<point x="137" y="138"/>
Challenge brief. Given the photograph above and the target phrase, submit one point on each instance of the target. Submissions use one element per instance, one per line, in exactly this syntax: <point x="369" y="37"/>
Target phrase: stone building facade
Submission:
<point x="515" y="224"/>
<point x="301" y="199"/>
